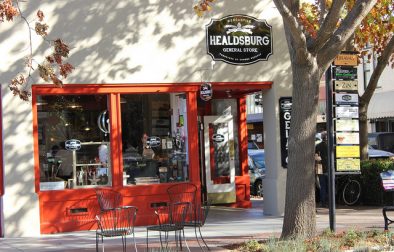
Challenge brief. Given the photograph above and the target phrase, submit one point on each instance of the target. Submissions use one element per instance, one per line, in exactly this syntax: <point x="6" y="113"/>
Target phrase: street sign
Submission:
<point x="351" y="85"/>
<point x="348" y="151"/>
<point x="346" y="60"/>
<point x="346" y="112"/>
<point x="345" y="73"/>
<point x="346" y="125"/>
<point x="350" y="99"/>
<point x="347" y="137"/>
<point x="348" y="164"/>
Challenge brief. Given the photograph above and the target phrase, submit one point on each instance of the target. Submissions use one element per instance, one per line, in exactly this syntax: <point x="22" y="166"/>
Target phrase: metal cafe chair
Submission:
<point x="114" y="222"/>
<point x="108" y="199"/>
<point x="170" y="219"/>
<point x="201" y="216"/>
<point x="197" y="214"/>
<point x="184" y="192"/>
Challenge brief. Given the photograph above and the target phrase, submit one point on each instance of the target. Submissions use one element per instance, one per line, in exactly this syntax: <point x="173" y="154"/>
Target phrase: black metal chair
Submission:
<point x="197" y="214"/>
<point x="170" y="219"/>
<point x="201" y="216"/>
<point x="118" y="221"/>
<point x="108" y="199"/>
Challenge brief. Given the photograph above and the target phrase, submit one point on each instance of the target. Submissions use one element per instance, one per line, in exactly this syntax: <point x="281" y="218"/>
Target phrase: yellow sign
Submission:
<point x="348" y="151"/>
<point x="346" y="60"/>
<point x="348" y="164"/>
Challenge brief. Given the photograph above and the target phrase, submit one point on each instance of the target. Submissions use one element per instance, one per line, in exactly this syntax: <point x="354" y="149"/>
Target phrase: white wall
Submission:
<point x="130" y="42"/>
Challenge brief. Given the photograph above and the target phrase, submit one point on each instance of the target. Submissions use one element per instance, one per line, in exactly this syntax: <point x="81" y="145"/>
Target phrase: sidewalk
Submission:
<point x="224" y="226"/>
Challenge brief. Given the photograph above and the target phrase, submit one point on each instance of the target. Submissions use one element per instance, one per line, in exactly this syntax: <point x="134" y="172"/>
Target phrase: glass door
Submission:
<point x="219" y="159"/>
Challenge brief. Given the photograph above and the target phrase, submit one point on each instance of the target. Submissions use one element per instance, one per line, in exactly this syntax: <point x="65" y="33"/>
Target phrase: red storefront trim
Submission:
<point x="56" y="207"/>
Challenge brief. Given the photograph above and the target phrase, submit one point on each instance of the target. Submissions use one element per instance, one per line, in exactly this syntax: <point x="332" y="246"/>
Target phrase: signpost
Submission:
<point x="342" y="76"/>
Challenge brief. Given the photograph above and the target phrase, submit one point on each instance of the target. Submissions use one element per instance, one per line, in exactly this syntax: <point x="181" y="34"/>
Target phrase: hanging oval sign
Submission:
<point x="217" y="138"/>
<point x="206" y="91"/>
<point x="72" y="144"/>
<point x="239" y="39"/>
<point x="153" y="141"/>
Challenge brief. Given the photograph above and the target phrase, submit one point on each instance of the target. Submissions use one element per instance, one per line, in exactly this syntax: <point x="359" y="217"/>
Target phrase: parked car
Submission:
<point x="375" y="154"/>
<point x="382" y="141"/>
<point x="256" y="163"/>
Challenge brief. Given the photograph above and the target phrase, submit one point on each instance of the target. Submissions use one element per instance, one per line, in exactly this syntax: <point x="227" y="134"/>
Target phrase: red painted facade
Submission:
<point x="75" y="209"/>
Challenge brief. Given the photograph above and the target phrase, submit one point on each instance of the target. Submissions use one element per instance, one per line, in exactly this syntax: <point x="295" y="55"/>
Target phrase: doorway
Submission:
<point x="219" y="156"/>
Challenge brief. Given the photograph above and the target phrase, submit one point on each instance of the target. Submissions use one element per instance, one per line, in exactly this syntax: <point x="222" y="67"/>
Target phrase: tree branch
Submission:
<point x="347" y="27"/>
<point x="328" y="27"/>
<point x="292" y="24"/>
<point x="383" y="60"/>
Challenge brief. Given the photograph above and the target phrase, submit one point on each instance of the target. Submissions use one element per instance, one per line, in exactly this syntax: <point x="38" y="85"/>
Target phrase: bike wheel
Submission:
<point x="351" y="192"/>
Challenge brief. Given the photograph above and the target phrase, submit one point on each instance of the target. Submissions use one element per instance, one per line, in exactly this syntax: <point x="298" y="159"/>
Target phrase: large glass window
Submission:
<point x="73" y="138"/>
<point x="154" y="138"/>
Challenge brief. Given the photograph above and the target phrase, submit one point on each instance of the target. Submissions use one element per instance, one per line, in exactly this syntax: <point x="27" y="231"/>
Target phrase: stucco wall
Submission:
<point x="130" y="42"/>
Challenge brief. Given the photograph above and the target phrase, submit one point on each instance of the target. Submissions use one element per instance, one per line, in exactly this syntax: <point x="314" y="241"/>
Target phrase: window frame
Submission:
<point x="113" y="91"/>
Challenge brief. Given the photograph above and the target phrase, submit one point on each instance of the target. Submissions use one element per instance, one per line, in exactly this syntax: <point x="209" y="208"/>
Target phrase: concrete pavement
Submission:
<point x="224" y="226"/>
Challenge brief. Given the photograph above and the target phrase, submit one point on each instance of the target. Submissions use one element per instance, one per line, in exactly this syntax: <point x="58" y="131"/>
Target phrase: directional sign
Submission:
<point x="346" y="60"/>
<point x="347" y="138"/>
<point x="345" y="73"/>
<point x="351" y="99"/>
<point x="348" y="151"/>
<point x="346" y="112"/>
<point x="346" y="125"/>
<point x="348" y="164"/>
<point x="351" y="85"/>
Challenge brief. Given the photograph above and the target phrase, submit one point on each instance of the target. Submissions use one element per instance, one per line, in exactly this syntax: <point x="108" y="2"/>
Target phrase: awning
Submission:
<point x="381" y="105"/>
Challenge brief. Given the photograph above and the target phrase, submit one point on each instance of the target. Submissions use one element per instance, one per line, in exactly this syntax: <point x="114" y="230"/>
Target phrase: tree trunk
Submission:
<point x="364" y="100"/>
<point x="300" y="217"/>
<point x="363" y="131"/>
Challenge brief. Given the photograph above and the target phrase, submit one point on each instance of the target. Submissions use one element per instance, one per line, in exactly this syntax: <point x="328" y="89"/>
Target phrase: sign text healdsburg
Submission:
<point x="239" y="39"/>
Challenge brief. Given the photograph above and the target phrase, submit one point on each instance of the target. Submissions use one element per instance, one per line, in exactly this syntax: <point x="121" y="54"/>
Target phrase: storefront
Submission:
<point x="130" y="116"/>
<point x="137" y="139"/>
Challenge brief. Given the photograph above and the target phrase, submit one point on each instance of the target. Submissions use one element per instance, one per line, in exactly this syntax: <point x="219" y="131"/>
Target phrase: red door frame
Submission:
<point x="56" y="206"/>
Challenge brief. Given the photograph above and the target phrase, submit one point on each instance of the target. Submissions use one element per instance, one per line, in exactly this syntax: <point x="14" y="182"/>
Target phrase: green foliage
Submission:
<point x="372" y="191"/>
<point x="351" y="240"/>
<point x="251" y="245"/>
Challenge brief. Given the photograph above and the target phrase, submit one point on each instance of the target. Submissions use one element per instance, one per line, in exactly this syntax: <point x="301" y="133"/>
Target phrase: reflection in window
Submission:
<point x="73" y="138"/>
<point x="154" y="138"/>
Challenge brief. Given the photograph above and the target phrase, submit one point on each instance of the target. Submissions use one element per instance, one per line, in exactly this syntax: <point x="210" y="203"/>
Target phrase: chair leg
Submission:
<point x="147" y="244"/>
<point x="97" y="242"/>
<point x="198" y="240"/>
<point x="184" y="238"/>
<point x="176" y="240"/>
<point x="202" y="238"/>
<point x="135" y="244"/>
<point x="124" y="243"/>
<point x="161" y="241"/>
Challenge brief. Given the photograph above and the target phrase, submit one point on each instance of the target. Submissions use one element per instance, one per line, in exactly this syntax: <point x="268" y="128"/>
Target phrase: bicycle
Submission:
<point x="348" y="187"/>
